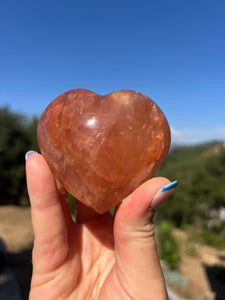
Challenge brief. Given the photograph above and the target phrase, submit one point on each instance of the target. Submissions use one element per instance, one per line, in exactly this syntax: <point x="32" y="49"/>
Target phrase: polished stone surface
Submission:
<point x="102" y="147"/>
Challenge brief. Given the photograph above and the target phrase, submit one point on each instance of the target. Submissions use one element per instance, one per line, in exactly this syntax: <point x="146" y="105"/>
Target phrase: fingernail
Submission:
<point x="29" y="153"/>
<point x="124" y="199"/>
<point x="161" y="195"/>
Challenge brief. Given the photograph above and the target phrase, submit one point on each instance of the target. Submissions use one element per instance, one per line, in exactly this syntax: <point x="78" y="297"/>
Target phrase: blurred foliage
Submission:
<point x="168" y="246"/>
<point x="17" y="136"/>
<point x="199" y="195"/>
<point x="207" y="237"/>
<point x="204" y="235"/>
<point x="200" y="171"/>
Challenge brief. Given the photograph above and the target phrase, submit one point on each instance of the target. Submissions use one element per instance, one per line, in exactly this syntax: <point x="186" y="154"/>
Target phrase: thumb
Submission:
<point x="135" y="245"/>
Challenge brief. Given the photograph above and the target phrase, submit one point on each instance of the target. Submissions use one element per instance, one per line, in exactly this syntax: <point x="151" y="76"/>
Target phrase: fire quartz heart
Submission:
<point x="100" y="148"/>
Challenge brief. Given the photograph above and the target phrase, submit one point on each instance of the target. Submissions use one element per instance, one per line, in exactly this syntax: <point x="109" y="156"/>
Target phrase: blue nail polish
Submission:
<point x="161" y="196"/>
<point x="170" y="186"/>
<point x="29" y="153"/>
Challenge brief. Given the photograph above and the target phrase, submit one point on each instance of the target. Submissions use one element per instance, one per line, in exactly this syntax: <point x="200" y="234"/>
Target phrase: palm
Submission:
<point x="87" y="271"/>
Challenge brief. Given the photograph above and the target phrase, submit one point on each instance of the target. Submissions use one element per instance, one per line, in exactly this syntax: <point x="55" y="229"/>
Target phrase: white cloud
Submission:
<point x="189" y="136"/>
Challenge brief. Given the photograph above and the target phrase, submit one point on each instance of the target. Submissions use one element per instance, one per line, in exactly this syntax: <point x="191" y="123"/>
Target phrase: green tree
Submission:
<point x="16" y="137"/>
<point x="32" y="133"/>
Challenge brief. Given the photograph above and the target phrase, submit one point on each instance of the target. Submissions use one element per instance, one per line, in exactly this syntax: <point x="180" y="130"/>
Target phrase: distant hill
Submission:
<point x="200" y="171"/>
<point x="176" y="146"/>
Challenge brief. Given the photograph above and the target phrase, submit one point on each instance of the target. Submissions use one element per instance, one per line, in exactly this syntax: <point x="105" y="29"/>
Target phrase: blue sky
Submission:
<point x="171" y="50"/>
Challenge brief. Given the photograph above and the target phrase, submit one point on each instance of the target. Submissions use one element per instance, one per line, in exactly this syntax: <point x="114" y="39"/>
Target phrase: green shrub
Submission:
<point x="212" y="239"/>
<point x="168" y="246"/>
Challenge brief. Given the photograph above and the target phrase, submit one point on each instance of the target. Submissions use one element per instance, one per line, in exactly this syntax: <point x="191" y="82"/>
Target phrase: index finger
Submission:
<point x="49" y="225"/>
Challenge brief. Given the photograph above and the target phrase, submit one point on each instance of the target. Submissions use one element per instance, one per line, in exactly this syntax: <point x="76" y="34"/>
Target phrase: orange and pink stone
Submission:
<point x="102" y="147"/>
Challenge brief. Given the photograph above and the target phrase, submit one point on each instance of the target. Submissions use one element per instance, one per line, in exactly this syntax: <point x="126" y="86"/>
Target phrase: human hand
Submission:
<point x="102" y="257"/>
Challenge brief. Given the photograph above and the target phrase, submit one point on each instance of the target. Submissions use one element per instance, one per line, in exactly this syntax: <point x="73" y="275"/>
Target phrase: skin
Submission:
<point x="102" y="256"/>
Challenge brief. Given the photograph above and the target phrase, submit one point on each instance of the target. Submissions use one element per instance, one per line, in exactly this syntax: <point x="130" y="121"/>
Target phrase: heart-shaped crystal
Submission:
<point x="102" y="147"/>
